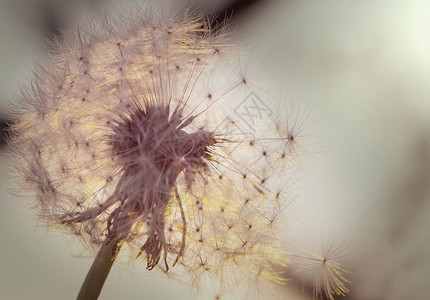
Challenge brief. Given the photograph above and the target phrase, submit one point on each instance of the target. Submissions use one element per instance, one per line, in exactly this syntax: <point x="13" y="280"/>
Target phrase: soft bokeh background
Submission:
<point x="362" y="65"/>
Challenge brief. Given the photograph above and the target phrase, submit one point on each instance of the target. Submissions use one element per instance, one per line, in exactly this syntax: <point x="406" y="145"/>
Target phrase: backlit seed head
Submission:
<point x="119" y="137"/>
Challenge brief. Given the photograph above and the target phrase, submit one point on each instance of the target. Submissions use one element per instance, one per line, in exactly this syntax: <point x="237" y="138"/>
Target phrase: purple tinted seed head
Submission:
<point x="130" y="154"/>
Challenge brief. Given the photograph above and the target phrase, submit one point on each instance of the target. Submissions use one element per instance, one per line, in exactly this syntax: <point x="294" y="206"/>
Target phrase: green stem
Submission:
<point x="99" y="270"/>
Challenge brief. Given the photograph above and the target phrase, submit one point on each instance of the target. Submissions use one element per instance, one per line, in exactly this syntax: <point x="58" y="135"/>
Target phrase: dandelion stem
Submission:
<point x="99" y="270"/>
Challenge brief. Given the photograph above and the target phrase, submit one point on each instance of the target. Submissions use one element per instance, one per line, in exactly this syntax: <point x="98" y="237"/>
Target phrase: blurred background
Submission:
<point x="362" y="66"/>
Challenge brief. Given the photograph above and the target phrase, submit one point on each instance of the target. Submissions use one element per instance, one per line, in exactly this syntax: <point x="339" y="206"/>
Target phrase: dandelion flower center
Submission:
<point x="151" y="138"/>
<point x="153" y="149"/>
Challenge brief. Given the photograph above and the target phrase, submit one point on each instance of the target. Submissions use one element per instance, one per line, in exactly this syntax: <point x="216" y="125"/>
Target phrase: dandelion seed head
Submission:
<point x="119" y="137"/>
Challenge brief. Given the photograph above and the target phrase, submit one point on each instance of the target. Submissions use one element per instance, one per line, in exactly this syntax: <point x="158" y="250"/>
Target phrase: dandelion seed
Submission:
<point x="324" y="269"/>
<point x="118" y="144"/>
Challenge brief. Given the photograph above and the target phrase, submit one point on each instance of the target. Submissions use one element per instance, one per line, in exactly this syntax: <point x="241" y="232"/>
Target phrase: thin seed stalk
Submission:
<point x="99" y="270"/>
